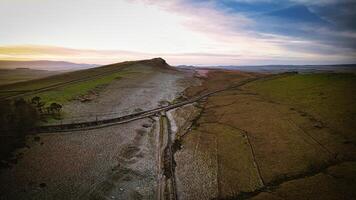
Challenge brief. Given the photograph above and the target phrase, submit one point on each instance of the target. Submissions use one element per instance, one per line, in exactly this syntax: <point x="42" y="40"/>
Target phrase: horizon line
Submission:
<point x="181" y="65"/>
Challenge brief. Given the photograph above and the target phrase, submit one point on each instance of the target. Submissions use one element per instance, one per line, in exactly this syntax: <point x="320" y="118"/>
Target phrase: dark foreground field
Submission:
<point x="287" y="136"/>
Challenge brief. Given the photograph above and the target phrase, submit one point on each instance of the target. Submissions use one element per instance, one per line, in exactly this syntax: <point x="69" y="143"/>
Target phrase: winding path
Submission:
<point x="128" y="118"/>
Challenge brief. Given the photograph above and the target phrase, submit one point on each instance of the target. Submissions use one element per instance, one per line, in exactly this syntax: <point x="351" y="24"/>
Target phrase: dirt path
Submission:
<point x="166" y="186"/>
<point x="159" y="160"/>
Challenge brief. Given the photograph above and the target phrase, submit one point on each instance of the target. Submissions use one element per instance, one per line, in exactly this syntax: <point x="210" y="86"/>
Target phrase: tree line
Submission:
<point x="19" y="115"/>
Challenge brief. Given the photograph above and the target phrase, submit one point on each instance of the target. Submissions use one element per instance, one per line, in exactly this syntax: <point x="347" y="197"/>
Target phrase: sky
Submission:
<point x="184" y="32"/>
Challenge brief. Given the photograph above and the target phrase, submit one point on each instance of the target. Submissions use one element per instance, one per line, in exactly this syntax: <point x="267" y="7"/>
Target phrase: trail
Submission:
<point x="160" y="153"/>
<point x="166" y="181"/>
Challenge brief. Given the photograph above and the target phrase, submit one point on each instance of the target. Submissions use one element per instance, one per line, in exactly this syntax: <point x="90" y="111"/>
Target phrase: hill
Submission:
<point x="86" y="79"/>
<point x="44" y="65"/>
<point x="339" y="68"/>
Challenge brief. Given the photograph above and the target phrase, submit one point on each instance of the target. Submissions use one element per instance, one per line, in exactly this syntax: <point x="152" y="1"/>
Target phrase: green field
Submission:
<point x="66" y="77"/>
<point x="64" y="94"/>
<point x="328" y="96"/>
<point x="75" y="83"/>
<point x="65" y="87"/>
<point x="67" y="93"/>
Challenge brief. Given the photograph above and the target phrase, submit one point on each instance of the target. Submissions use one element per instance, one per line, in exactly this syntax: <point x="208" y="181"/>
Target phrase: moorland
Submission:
<point x="184" y="134"/>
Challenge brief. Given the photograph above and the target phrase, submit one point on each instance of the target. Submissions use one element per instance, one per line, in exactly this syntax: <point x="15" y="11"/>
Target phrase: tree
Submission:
<point x="18" y="116"/>
<point x="35" y="100"/>
<point x="38" y="103"/>
<point x="55" y="108"/>
<point x="26" y="115"/>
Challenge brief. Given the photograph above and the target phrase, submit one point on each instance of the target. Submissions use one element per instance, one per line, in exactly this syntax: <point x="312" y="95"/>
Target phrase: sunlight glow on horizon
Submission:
<point x="108" y="31"/>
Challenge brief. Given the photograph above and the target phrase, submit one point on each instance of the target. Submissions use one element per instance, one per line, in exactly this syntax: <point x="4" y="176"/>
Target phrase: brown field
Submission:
<point x="247" y="144"/>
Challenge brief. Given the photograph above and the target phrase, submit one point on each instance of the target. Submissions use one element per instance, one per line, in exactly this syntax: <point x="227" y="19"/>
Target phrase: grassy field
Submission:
<point x="66" y="77"/>
<point x="82" y="85"/>
<point x="330" y="97"/>
<point x="74" y="83"/>
<point x="64" y="94"/>
<point x="93" y="73"/>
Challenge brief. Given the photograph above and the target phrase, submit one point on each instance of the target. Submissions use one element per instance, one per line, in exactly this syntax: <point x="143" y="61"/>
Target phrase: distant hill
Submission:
<point x="281" y="68"/>
<point x="44" y="65"/>
<point x="8" y="76"/>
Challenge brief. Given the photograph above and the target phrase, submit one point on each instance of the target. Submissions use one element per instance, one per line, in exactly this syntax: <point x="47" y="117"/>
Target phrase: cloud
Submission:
<point x="39" y="52"/>
<point x="182" y="31"/>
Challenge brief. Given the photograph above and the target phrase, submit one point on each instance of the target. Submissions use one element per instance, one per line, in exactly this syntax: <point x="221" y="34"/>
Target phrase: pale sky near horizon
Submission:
<point x="196" y="32"/>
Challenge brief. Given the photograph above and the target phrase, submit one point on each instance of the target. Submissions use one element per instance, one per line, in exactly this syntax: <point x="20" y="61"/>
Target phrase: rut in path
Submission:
<point x="166" y="173"/>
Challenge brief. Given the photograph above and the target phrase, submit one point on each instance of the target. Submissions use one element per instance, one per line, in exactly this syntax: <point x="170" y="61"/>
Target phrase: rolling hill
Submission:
<point x="44" y="65"/>
<point x="102" y="74"/>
